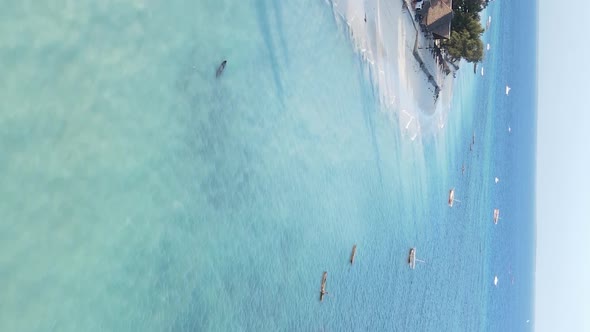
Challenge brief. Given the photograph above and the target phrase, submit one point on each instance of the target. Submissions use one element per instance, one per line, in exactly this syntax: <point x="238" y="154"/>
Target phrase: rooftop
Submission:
<point x="438" y="18"/>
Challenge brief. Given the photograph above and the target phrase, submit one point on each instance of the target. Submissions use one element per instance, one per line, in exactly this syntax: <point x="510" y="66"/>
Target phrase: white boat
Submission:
<point x="509" y="129"/>
<point x="496" y="180"/>
<point x="496" y="281"/>
<point x="496" y="216"/>
<point x="508" y="90"/>
<point x="489" y="22"/>
<point x="488" y="46"/>
<point x="412" y="258"/>
<point x="452" y="197"/>
<point x="481" y="71"/>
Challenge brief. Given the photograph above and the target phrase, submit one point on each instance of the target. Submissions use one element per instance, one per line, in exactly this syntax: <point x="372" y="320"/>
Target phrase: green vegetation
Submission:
<point x="465" y="41"/>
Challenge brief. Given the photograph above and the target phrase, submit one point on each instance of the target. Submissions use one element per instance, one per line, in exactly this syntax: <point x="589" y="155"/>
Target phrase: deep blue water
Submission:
<point x="141" y="193"/>
<point x="516" y="64"/>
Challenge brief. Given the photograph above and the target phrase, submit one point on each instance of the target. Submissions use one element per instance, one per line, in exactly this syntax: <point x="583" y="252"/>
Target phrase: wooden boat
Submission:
<point x="353" y="254"/>
<point x="323" y="287"/>
<point x="221" y="68"/>
<point x="412" y="258"/>
<point x="451" y="197"/>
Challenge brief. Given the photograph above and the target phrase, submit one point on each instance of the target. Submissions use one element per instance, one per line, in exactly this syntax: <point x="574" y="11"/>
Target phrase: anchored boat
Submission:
<point x="412" y="258"/>
<point x="353" y="254"/>
<point x="323" y="287"/>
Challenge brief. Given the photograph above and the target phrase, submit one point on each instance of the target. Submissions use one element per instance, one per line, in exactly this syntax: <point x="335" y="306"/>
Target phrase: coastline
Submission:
<point x="408" y="79"/>
<point x="423" y="53"/>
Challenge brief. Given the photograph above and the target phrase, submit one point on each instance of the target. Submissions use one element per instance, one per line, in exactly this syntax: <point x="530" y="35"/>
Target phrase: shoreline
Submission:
<point x="401" y="62"/>
<point x="423" y="42"/>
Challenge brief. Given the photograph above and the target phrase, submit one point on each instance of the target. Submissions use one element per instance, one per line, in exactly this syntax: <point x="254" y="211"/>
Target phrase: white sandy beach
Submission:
<point x="386" y="41"/>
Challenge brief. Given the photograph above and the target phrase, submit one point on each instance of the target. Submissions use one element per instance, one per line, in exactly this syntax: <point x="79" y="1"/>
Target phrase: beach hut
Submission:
<point x="438" y="18"/>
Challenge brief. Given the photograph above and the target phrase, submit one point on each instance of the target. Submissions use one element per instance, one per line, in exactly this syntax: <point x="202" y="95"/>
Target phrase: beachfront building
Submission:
<point x="438" y="18"/>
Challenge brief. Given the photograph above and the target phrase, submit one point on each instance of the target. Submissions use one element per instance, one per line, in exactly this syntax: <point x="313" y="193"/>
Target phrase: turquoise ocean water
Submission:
<point x="140" y="193"/>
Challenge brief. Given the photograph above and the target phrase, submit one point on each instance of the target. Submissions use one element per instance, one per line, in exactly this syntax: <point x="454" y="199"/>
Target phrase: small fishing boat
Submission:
<point x="508" y="90"/>
<point x="496" y="216"/>
<point x="412" y="258"/>
<point x="353" y="254"/>
<point x="323" y="287"/>
<point x="221" y="68"/>
<point x="496" y="281"/>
